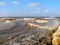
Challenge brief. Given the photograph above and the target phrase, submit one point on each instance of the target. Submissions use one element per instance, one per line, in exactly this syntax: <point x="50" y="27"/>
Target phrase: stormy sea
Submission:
<point x="27" y="31"/>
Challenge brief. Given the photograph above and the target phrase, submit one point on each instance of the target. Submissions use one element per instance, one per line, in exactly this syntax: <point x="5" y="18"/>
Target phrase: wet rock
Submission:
<point x="56" y="37"/>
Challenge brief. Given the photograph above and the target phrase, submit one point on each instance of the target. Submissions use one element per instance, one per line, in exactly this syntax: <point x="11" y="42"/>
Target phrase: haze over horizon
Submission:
<point x="29" y="8"/>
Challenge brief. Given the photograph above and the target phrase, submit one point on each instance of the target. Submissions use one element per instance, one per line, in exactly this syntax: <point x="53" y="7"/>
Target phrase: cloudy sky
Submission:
<point x="29" y="8"/>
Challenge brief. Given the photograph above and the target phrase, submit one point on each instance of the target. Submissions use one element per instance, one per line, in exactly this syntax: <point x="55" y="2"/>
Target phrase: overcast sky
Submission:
<point x="29" y="8"/>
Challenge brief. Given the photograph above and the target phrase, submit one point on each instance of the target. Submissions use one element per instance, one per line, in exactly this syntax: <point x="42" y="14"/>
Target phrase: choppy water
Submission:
<point x="32" y="36"/>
